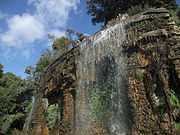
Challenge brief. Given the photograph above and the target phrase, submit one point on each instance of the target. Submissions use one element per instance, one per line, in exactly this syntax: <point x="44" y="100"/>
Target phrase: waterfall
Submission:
<point x="102" y="105"/>
<point x="27" y="124"/>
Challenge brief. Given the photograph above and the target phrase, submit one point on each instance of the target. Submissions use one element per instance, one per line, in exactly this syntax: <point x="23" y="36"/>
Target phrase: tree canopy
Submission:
<point x="14" y="99"/>
<point x="104" y="10"/>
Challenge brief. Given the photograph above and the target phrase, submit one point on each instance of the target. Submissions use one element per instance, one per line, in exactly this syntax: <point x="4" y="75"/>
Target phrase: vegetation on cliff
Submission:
<point x="103" y="11"/>
<point x="16" y="93"/>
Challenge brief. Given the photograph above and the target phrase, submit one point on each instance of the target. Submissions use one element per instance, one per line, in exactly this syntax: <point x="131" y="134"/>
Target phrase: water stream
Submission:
<point x="102" y="105"/>
<point x="27" y="124"/>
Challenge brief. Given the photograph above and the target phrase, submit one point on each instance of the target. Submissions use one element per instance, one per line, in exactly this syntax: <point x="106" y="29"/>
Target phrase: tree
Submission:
<point x="104" y="10"/>
<point x="1" y="70"/>
<point x="178" y="13"/>
<point x="14" y="99"/>
<point x="43" y="62"/>
<point x="61" y="44"/>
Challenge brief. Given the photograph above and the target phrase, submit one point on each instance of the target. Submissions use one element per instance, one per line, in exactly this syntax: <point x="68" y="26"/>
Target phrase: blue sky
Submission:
<point x="22" y="19"/>
<point x="25" y="24"/>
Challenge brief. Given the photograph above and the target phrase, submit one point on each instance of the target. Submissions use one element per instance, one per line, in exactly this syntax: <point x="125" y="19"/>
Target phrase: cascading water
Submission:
<point x="102" y="106"/>
<point x="28" y="121"/>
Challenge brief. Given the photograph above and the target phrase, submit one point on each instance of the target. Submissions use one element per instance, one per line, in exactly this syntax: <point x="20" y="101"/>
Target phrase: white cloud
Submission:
<point x="54" y="13"/>
<point x="49" y="17"/>
<point x="22" y="30"/>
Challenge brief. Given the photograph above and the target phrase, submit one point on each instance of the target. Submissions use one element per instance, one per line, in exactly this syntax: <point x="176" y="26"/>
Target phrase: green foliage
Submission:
<point x="9" y="84"/>
<point x="1" y="70"/>
<point x="177" y="18"/>
<point x="61" y="44"/>
<point x="9" y="119"/>
<point x="99" y="102"/>
<point x="51" y="115"/>
<point x="178" y="13"/>
<point x="43" y="62"/>
<point x="60" y="41"/>
<point x="15" y="94"/>
<point x="137" y="9"/>
<point x="104" y="10"/>
<point x="177" y="126"/>
<point x="175" y="102"/>
<point x="139" y="75"/>
<point x="13" y="100"/>
<point x="175" y="14"/>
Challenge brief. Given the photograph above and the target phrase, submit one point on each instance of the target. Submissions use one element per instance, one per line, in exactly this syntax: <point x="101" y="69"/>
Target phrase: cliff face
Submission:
<point x="118" y="81"/>
<point x="153" y="61"/>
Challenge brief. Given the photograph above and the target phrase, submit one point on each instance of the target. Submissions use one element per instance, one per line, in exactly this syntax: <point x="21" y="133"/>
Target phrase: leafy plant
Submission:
<point x="100" y="102"/>
<point x="61" y="44"/>
<point x="51" y="115"/>
<point x="9" y="119"/>
<point x="103" y="11"/>
<point x="175" y="102"/>
<point x="14" y="98"/>
<point x="178" y="13"/>
<point x="1" y="70"/>
<point x="43" y="62"/>
<point x="175" y="14"/>
<point x="137" y="9"/>
<point x="139" y="75"/>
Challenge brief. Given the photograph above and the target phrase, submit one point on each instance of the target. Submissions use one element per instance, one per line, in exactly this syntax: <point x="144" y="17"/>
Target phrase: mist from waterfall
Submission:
<point x="102" y="105"/>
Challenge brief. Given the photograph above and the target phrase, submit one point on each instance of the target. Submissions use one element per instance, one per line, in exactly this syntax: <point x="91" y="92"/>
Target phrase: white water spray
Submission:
<point x="101" y="73"/>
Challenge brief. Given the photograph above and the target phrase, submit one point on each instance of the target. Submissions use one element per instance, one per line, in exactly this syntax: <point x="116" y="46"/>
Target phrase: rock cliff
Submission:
<point x="135" y="61"/>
